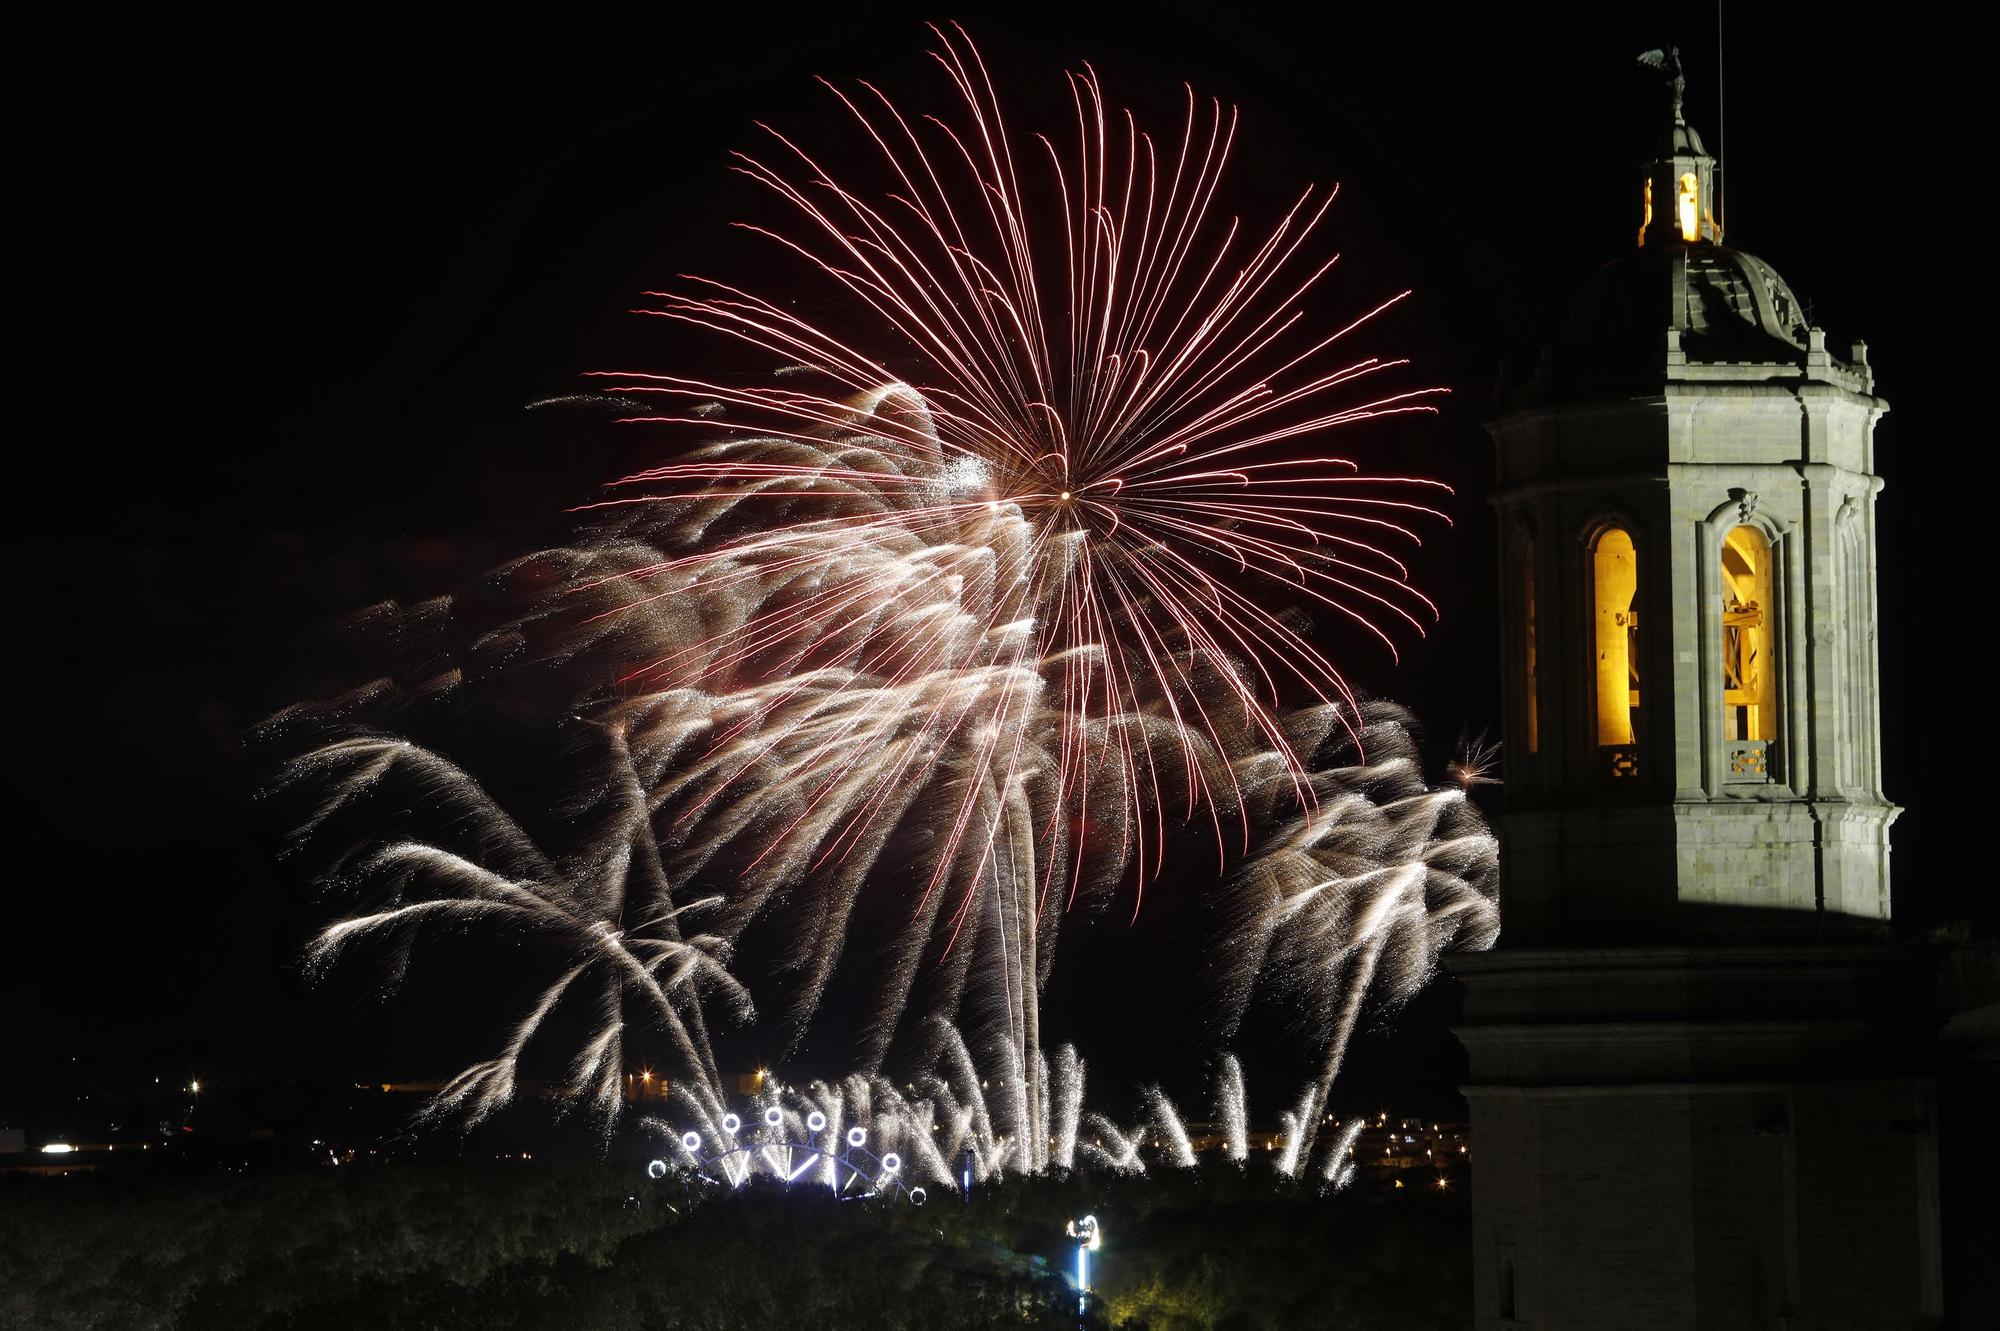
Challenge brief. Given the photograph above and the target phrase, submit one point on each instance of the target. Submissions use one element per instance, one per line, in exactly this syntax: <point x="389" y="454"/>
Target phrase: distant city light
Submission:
<point x="57" y="1148"/>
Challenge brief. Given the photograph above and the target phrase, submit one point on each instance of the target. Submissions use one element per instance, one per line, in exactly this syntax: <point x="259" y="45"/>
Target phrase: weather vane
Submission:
<point x="1668" y="62"/>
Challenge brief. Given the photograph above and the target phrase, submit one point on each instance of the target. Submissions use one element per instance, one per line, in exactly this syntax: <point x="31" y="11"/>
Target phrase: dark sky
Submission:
<point x="281" y="289"/>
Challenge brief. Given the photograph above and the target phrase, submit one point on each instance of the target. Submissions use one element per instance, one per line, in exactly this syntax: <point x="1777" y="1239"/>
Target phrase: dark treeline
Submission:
<point x="588" y="1247"/>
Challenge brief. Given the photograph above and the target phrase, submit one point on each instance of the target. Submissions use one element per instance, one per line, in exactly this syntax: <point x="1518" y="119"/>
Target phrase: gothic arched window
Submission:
<point x="1614" y="565"/>
<point x="1749" y="677"/>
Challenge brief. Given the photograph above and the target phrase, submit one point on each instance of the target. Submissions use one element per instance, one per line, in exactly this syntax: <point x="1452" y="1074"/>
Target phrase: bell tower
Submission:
<point x="1697" y="1063"/>
<point x="1686" y="497"/>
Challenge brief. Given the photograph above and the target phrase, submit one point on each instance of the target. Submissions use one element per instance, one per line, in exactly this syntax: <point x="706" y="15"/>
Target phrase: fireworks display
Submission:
<point x="939" y="632"/>
<point x="865" y="1135"/>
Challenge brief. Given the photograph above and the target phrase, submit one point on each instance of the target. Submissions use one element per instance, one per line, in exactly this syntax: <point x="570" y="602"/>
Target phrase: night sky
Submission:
<point x="280" y="295"/>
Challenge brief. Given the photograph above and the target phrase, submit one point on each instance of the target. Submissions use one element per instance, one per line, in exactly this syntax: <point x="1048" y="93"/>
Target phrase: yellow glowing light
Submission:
<point x="195" y="1086"/>
<point x="57" y="1148"/>
<point x="1748" y="682"/>
<point x="645" y="1076"/>
<point x="1690" y="208"/>
<point x="1649" y="211"/>
<point x="1065" y="495"/>
<point x="1615" y="568"/>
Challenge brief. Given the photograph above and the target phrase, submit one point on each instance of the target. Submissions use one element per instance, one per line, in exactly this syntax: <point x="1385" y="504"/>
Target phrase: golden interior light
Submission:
<point x="1615" y="569"/>
<point x="1749" y="684"/>
<point x="1689" y="203"/>
<point x="1646" y="223"/>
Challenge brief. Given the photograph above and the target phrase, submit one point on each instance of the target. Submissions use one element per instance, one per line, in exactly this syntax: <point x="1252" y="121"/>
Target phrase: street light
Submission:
<point x="1088" y="1240"/>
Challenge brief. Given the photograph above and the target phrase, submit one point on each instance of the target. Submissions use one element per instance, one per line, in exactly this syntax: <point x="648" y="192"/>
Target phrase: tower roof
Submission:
<point x="1721" y="305"/>
<point x="1679" y="140"/>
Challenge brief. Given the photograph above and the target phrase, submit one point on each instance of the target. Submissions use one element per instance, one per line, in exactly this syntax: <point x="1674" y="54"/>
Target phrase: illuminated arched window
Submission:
<point x="1687" y="199"/>
<point x="1615" y="593"/>
<point x="1749" y="699"/>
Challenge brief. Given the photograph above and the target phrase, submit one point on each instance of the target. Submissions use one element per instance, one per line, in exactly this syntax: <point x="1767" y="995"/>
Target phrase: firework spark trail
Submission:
<point x="1122" y="1154"/>
<point x="1066" y="1083"/>
<point x="1360" y="900"/>
<point x="1167" y="1122"/>
<point x="1232" y="1109"/>
<point x="1299" y="1124"/>
<point x="605" y="908"/>
<point x="1339" y="1167"/>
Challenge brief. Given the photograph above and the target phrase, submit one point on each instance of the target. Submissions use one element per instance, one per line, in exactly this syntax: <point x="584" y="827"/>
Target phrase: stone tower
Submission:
<point x="1686" y="499"/>
<point x="1694" y="1088"/>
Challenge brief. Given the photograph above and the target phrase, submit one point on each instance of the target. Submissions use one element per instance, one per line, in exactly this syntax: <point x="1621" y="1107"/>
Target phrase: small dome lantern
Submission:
<point x="1678" y="199"/>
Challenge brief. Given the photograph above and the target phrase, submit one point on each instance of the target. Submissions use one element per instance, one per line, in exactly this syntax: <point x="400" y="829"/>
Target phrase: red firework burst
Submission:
<point x="1094" y="431"/>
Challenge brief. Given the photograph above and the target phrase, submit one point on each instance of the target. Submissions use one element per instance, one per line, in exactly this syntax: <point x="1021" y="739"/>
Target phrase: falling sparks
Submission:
<point x="602" y="915"/>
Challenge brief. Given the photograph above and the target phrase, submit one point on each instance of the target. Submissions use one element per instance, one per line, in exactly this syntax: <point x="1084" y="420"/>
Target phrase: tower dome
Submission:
<point x="1679" y="139"/>
<point x="1714" y="304"/>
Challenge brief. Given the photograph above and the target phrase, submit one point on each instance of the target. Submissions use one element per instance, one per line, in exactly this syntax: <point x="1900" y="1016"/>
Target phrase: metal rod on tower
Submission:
<point x="1721" y="123"/>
